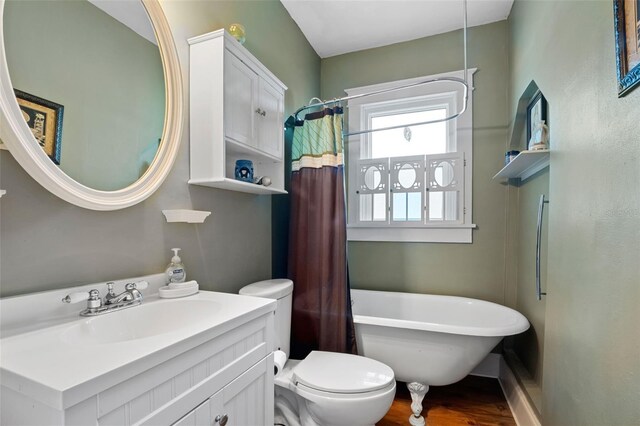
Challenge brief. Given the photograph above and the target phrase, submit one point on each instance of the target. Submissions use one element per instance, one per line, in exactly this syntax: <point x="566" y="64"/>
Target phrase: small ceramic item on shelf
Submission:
<point x="244" y="170"/>
<point x="237" y="31"/>
<point x="539" y="137"/>
<point x="263" y="180"/>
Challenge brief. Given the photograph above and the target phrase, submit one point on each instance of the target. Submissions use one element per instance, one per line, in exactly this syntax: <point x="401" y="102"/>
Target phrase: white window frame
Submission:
<point x="436" y="95"/>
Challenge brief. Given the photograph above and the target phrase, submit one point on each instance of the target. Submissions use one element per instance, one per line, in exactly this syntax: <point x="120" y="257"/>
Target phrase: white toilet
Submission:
<point x="325" y="388"/>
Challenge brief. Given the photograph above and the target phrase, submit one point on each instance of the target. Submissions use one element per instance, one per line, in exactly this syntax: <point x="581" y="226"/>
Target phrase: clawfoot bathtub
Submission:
<point x="429" y="340"/>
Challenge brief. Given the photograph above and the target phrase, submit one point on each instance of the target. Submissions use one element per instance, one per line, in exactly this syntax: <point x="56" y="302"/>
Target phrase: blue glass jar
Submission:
<point x="244" y="170"/>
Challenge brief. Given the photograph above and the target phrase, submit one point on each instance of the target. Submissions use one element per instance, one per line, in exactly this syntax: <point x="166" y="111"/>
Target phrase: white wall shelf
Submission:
<point x="238" y="185"/>
<point x="185" y="215"/>
<point x="525" y="165"/>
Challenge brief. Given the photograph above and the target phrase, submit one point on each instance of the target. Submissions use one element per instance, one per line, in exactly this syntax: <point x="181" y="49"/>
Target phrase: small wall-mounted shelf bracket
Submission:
<point x="185" y="215"/>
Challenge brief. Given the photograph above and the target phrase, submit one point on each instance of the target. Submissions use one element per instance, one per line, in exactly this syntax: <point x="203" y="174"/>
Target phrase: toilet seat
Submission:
<point x="338" y="373"/>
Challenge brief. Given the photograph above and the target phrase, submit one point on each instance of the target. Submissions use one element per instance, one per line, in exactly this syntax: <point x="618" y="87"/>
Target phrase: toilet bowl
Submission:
<point x="325" y="388"/>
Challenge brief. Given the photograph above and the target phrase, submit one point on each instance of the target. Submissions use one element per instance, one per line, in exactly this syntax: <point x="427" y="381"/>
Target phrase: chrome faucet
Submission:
<point x="131" y="296"/>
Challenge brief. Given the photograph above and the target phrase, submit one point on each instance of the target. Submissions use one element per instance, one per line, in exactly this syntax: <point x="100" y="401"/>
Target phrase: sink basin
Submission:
<point x="139" y="322"/>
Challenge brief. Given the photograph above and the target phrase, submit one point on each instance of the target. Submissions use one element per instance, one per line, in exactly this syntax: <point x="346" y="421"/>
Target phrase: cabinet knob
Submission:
<point x="222" y="419"/>
<point x="261" y="112"/>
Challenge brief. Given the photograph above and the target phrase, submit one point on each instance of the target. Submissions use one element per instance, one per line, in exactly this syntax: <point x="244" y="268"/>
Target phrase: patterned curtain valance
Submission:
<point x="317" y="141"/>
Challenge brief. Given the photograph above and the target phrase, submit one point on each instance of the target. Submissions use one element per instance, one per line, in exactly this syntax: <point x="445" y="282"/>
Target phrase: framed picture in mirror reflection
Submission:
<point x="44" y="118"/>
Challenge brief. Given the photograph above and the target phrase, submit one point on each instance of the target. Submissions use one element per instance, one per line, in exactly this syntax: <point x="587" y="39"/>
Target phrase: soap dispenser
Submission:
<point x="175" y="270"/>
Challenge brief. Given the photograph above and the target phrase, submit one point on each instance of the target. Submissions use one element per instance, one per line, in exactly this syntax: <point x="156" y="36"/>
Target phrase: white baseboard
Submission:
<point x="495" y="366"/>
<point x="522" y="409"/>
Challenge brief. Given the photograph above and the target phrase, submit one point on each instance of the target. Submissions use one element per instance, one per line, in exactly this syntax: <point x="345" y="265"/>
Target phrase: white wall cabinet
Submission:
<point x="236" y="112"/>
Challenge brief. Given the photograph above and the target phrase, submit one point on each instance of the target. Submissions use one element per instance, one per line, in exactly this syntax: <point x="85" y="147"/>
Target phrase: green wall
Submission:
<point x="108" y="78"/>
<point x="473" y="270"/>
<point x="47" y="243"/>
<point x="591" y="338"/>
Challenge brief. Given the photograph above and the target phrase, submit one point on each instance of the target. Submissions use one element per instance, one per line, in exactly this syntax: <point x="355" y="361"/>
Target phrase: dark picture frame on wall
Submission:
<point x="536" y="111"/>
<point x="626" y="16"/>
<point x="44" y="118"/>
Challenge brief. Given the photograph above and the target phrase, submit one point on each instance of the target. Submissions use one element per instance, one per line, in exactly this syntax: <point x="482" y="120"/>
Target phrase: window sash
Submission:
<point x="445" y="100"/>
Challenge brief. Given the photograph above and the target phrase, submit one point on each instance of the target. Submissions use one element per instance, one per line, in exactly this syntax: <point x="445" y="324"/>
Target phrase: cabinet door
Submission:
<point x="201" y="415"/>
<point x="248" y="400"/>
<point x="270" y="120"/>
<point x="240" y="100"/>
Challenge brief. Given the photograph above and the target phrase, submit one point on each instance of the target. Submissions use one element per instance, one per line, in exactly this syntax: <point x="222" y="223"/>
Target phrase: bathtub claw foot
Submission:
<point x="418" y="391"/>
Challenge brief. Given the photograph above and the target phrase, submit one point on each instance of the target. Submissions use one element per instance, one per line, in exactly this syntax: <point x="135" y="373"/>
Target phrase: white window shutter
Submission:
<point x="445" y="186"/>
<point x="373" y="190"/>
<point x="407" y="181"/>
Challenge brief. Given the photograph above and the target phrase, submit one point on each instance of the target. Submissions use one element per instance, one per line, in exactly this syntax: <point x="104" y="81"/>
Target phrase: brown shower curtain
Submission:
<point x="321" y="318"/>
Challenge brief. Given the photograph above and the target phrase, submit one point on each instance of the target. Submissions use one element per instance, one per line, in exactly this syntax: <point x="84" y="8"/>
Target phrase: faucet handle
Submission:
<point x="140" y="285"/>
<point x="76" y="297"/>
<point x="80" y="296"/>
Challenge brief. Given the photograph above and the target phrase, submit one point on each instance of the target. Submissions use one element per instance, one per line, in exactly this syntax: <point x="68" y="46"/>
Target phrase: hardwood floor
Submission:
<point x="472" y="401"/>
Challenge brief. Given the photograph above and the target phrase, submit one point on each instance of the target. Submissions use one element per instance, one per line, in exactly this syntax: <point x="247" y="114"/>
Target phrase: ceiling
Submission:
<point x="130" y="13"/>
<point x="334" y="27"/>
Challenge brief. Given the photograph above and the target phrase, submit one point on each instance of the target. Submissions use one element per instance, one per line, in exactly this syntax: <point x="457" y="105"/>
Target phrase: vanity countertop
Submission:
<point x="61" y="364"/>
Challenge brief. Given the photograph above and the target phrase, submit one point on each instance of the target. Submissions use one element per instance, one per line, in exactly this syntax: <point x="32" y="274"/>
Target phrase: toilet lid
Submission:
<point x="342" y="373"/>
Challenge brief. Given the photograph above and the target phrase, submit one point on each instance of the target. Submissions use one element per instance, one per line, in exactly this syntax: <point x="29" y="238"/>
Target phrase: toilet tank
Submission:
<point x="282" y="291"/>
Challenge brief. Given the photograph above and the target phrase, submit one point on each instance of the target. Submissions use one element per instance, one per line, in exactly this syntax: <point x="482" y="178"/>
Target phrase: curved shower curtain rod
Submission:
<point x="420" y="83"/>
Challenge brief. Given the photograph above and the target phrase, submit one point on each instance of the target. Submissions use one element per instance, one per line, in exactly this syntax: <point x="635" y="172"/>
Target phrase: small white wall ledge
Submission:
<point x="185" y="215"/>
<point x="525" y="165"/>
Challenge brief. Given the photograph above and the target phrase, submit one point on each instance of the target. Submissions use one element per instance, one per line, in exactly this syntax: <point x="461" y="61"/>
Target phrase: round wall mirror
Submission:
<point x="91" y="101"/>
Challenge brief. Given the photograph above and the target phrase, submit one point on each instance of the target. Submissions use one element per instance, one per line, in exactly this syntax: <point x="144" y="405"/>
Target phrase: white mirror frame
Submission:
<point x="18" y="138"/>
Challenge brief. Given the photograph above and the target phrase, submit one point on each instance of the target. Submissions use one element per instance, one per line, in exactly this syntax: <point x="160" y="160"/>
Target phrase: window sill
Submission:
<point x="435" y="234"/>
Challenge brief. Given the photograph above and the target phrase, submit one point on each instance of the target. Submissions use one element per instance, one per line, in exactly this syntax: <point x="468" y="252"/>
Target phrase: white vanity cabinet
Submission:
<point x="221" y="367"/>
<point x="236" y="112"/>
